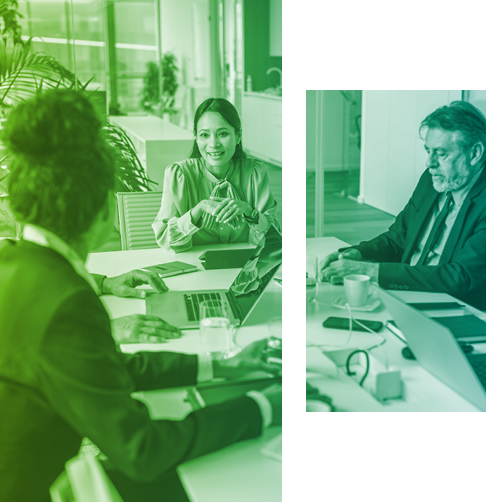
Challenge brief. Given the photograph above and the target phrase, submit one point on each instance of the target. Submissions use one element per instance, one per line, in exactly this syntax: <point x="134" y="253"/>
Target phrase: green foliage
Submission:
<point x="150" y="93"/>
<point x="169" y="74"/>
<point x="24" y="74"/>
<point x="131" y="175"/>
<point x="152" y="99"/>
<point x="9" y="15"/>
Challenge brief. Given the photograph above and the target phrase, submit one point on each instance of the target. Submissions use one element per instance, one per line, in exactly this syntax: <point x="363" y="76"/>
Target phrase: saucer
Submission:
<point x="371" y="304"/>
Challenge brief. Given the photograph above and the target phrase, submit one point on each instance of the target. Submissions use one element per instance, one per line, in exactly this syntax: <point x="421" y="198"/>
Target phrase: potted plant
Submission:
<point x="157" y="99"/>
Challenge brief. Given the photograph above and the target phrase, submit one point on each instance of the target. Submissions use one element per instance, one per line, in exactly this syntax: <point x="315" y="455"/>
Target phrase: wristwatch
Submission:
<point x="253" y="219"/>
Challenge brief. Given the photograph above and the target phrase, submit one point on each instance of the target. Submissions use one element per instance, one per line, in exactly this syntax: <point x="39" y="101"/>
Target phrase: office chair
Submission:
<point x="84" y="480"/>
<point x="137" y="211"/>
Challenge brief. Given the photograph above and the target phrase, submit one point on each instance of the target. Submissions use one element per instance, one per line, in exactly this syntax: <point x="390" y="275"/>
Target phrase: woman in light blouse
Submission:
<point x="218" y="195"/>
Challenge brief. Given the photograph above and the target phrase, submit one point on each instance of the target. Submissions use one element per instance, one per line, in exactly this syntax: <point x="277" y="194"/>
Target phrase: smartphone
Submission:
<point x="343" y="323"/>
<point x="436" y="305"/>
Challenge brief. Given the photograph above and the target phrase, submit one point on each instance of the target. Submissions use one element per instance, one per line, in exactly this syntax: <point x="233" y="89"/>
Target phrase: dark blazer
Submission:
<point x="62" y="378"/>
<point x="461" y="271"/>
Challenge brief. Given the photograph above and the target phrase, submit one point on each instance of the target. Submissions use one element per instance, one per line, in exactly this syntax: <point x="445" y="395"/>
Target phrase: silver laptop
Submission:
<point x="181" y="308"/>
<point x="438" y="351"/>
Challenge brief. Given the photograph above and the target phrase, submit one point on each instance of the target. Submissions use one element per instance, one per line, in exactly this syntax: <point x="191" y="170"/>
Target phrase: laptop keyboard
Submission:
<point x="478" y="363"/>
<point x="192" y="303"/>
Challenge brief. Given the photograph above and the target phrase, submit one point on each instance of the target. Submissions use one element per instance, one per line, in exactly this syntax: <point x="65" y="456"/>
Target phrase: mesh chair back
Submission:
<point x="137" y="211"/>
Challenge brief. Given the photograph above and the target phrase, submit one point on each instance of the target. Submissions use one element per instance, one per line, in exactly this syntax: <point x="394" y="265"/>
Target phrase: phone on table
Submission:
<point x="343" y="323"/>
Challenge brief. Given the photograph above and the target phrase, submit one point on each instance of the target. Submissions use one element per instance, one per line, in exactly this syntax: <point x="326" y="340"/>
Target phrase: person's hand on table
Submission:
<point x="323" y="269"/>
<point x="228" y="209"/>
<point x="139" y="328"/>
<point x="338" y="269"/>
<point x="124" y="285"/>
<point x="350" y="254"/>
<point x="252" y="358"/>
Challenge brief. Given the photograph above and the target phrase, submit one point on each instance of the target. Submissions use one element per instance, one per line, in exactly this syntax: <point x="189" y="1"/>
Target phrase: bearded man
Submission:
<point x="438" y="241"/>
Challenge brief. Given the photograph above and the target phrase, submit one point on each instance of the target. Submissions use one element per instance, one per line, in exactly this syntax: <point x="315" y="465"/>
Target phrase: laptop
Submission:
<point x="438" y="351"/>
<point x="181" y="308"/>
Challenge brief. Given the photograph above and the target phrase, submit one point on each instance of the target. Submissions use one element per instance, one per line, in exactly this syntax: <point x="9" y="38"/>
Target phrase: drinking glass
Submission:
<point x="311" y="278"/>
<point x="216" y="330"/>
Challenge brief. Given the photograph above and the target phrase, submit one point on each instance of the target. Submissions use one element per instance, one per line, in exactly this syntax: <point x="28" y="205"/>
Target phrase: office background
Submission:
<point x="160" y="59"/>
<point x="364" y="156"/>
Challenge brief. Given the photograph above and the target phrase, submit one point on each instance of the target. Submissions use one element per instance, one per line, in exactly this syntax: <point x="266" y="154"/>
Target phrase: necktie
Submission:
<point x="436" y="231"/>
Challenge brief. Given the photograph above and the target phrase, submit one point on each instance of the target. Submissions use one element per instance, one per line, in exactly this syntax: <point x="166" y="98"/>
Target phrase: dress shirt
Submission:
<point x="458" y="197"/>
<point x="43" y="237"/>
<point x="188" y="182"/>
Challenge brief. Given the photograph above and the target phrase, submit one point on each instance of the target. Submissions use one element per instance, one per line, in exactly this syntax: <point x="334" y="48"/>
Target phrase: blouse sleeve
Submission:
<point x="263" y="201"/>
<point x="173" y="225"/>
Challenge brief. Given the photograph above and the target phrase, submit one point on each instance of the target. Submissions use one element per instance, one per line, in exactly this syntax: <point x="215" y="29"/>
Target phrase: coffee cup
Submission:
<point x="357" y="288"/>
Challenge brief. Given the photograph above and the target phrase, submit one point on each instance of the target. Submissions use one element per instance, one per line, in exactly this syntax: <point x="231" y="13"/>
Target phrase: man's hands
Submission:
<point x="337" y="265"/>
<point x="350" y="254"/>
<point x="252" y="358"/>
<point x="124" y="285"/>
<point x="139" y="328"/>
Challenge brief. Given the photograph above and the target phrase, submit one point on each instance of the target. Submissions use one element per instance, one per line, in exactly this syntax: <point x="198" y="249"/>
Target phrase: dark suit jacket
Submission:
<point x="461" y="271"/>
<point x="61" y="379"/>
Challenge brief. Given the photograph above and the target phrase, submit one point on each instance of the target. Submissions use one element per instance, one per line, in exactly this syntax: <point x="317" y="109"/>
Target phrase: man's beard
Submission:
<point x="462" y="177"/>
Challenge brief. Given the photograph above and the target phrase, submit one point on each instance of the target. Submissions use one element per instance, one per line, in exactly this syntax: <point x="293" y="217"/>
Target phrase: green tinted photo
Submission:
<point x="395" y="289"/>
<point x="141" y="250"/>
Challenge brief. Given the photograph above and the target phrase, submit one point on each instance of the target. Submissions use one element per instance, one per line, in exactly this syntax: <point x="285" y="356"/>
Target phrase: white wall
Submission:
<point x="185" y="31"/>
<point x="392" y="154"/>
<point x="332" y="117"/>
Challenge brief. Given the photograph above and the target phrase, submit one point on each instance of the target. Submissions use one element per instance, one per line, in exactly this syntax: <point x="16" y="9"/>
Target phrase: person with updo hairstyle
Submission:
<point x="61" y="170"/>
<point x="218" y="195"/>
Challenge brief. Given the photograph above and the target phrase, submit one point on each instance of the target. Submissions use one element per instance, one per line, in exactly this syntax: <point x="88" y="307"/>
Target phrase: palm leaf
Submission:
<point x="23" y="75"/>
<point x="130" y="174"/>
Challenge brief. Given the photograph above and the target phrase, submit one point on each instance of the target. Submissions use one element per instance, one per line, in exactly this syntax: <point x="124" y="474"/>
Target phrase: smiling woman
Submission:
<point x="218" y="195"/>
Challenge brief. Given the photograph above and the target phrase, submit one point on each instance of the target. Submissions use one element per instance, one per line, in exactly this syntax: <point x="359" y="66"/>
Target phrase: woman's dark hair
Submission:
<point x="229" y="113"/>
<point x="459" y="116"/>
<point x="62" y="169"/>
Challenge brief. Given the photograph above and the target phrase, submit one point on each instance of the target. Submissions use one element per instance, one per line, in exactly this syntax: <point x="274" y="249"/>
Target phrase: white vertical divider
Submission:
<point x="319" y="142"/>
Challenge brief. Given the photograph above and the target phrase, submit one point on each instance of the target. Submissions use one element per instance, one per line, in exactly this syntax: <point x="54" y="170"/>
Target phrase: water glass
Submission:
<point x="215" y="328"/>
<point x="311" y="278"/>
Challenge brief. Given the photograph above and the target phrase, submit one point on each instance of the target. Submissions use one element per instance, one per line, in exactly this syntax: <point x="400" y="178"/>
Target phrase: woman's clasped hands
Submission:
<point x="226" y="210"/>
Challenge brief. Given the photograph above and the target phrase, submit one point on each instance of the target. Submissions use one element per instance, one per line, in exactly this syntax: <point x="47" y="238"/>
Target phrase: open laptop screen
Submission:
<point x="258" y="271"/>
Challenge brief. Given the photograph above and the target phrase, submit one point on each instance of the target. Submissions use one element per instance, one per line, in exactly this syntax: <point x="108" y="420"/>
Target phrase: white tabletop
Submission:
<point x="151" y="128"/>
<point x="239" y="472"/>
<point x="422" y="391"/>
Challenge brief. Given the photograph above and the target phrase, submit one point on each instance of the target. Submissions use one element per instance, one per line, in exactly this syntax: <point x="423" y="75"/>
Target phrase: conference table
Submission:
<point x="239" y="472"/>
<point x="421" y="390"/>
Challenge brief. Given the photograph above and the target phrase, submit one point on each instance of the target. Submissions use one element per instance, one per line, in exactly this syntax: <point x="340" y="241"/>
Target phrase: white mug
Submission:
<point x="357" y="288"/>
